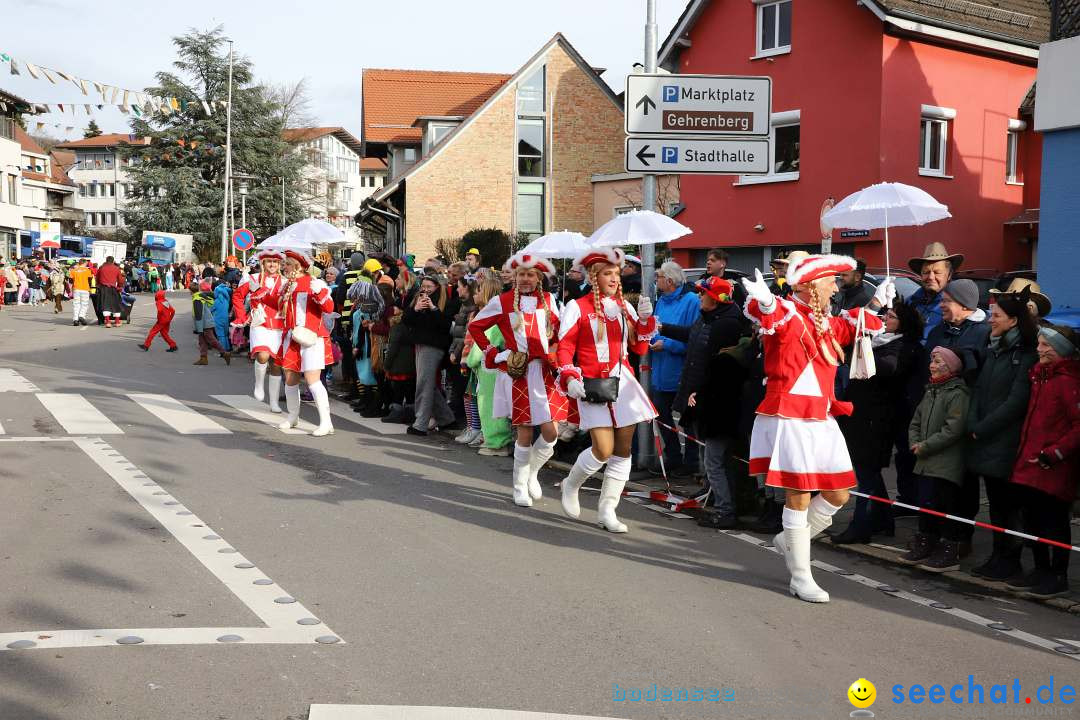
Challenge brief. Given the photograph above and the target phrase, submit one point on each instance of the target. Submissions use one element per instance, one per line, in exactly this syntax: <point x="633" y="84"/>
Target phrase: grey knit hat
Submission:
<point x="1062" y="338"/>
<point x="965" y="292"/>
<point x="356" y="260"/>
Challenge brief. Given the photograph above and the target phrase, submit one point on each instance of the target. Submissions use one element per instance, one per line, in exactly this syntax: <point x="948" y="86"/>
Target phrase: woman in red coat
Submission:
<point x="1048" y="461"/>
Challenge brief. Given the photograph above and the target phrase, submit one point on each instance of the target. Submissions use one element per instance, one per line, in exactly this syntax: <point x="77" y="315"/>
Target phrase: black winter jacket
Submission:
<point x="427" y="327"/>
<point x="998" y="407"/>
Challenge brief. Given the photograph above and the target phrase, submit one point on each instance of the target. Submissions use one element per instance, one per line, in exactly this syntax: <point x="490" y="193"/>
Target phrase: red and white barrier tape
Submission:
<point x="968" y="521"/>
<point x="678" y="431"/>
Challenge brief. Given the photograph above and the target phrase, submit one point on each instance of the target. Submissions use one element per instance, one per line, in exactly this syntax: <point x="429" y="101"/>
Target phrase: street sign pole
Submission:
<point x="648" y="252"/>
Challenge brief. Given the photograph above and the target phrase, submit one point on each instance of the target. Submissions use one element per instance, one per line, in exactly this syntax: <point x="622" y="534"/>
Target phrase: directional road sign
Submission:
<point x="702" y="156"/>
<point x="243" y="239"/>
<point x="698" y="105"/>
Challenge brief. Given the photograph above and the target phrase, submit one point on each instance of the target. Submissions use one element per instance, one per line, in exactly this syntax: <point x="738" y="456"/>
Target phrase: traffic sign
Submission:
<point x="701" y="156"/>
<point x="243" y="239"/>
<point x="698" y="104"/>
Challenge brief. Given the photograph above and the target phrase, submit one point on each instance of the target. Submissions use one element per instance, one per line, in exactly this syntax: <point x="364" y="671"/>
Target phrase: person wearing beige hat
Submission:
<point x="1039" y="304"/>
<point x="935" y="268"/>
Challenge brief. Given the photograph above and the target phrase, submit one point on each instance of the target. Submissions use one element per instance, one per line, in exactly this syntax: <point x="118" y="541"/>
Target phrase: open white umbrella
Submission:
<point x="562" y="244"/>
<point x="638" y="227"/>
<point x="885" y="204"/>
<point x="282" y="243"/>
<point x="312" y="231"/>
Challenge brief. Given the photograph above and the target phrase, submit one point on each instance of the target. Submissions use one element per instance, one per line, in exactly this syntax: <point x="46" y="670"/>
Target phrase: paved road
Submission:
<point x="387" y="570"/>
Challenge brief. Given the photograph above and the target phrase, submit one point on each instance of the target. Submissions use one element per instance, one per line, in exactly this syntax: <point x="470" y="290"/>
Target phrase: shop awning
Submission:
<point x="1028" y="217"/>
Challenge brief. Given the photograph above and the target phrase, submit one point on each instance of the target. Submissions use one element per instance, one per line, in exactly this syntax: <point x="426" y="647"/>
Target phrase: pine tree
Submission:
<point x="92" y="130"/>
<point x="178" y="174"/>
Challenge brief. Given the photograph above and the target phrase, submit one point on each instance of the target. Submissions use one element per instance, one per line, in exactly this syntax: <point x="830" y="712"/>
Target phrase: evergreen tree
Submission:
<point x="178" y="177"/>
<point x="92" y="130"/>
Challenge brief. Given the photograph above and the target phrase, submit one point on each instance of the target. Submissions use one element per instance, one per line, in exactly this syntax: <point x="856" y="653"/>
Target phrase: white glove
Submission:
<point x="885" y="293"/>
<point x="758" y="289"/>
<point x="502" y="357"/>
<point x="644" y="307"/>
<point x="575" y="389"/>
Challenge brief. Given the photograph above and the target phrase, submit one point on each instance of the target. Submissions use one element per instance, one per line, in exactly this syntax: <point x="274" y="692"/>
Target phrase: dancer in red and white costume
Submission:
<point x="596" y="334"/>
<point x="796" y="443"/>
<point x="528" y="320"/>
<point x="305" y="346"/>
<point x="265" y="289"/>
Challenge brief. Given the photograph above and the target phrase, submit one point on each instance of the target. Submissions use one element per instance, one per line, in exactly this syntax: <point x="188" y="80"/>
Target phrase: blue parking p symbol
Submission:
<point x="669" y="154"/>
<point x="671" y="93"/>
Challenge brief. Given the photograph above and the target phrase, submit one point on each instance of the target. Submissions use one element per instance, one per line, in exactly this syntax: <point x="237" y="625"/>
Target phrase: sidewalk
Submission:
<point x="887" y="549"/>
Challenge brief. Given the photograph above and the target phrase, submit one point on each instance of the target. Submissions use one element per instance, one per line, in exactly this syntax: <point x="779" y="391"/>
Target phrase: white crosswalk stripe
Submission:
<point x="11" y="381"/>
<point x="77" y="415"/>
<point x="261" y="411"/>
<point x="178" y="416"/>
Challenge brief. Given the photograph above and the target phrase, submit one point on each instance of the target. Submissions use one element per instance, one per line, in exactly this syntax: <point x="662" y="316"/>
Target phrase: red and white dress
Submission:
<point x="607" y="357"/>
<point x="305" y="305"/>
<point x="796" y="443"/>
<point x="266" y="294"/>
<point x="533" y="398"/>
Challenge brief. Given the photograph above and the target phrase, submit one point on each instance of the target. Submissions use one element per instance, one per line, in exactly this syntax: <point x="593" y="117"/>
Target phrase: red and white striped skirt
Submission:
<point x="800" y="454"/>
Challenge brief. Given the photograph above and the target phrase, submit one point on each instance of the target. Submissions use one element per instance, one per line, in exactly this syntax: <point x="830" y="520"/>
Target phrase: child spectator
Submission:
<point x="202" y="313"/>
<point x="165" y="314"/>
<point x="936" y="435"/>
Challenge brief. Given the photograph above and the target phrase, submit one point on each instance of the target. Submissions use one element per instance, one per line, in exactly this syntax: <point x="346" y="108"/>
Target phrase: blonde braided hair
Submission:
<point x="823" y="329"/>
<point x="594" y="277"/>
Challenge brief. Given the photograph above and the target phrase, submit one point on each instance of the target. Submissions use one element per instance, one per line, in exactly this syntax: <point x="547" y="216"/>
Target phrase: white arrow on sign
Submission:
<point x="702" y="156"/>
<point x="698" y="105"/>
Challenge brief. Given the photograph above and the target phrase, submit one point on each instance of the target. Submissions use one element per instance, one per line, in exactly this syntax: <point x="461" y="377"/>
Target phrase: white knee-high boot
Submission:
<point x="521" y="475"/>
<point x="541" y="452"/>
<point x="795" y="549"/>
<point x="260" y="378"/>
<point x="615" y="477"/>
<point x="584" y="468"/>
<point x="322" y="403"/>
<point x="819" y="517"/>
<point x="292" y="401"/>
<point x="273" y="391"/>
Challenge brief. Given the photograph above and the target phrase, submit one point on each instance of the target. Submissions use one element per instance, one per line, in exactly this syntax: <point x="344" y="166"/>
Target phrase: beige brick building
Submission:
<point x="522" y="160"/>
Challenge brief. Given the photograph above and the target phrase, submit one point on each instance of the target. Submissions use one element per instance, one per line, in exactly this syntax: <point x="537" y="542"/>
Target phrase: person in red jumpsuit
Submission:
<point x="165" y="313"/>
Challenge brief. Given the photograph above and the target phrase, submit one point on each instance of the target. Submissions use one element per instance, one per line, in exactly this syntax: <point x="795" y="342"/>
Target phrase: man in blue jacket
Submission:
<point x="676" y="305"/>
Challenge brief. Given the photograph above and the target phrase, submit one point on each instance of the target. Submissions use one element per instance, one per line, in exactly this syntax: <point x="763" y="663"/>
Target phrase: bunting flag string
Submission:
<point x="129" y="101"/>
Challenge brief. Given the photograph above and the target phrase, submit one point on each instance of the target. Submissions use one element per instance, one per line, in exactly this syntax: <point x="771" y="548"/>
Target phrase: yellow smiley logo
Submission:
<point x="862" y="693"/>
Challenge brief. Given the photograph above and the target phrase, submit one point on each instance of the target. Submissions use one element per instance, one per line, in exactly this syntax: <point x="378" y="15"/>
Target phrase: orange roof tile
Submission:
<point x="105" y="140"/>
<point x="372" y="164"/>
<point x="393" y="99"/>
<point x="27" y="143"/>
<point x="59" y="168"/>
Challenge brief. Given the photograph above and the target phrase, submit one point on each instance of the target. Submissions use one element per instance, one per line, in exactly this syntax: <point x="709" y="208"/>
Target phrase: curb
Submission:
<point x="1069" y="604"/>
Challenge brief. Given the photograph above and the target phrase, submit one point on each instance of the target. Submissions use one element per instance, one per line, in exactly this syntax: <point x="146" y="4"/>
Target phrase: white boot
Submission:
<point x="260" y="378"/>
<point x="521" y="475"/>
<point x="797" y="559"/>
<point x="819" y="516"/>
<point x="322" y="403"/>
<point x="292" y="401"/>
<point x="541" y="452"/>
<point x="273" y="391"/>
<point x="584" y="468"/>
<point x="615" y="477"/>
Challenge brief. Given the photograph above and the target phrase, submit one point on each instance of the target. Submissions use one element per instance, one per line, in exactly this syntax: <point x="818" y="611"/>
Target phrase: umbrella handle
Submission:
<point x="888" y="266"/>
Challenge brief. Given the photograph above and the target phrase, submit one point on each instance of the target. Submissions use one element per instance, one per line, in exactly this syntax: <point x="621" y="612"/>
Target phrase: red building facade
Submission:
<point x="864" y="93"/>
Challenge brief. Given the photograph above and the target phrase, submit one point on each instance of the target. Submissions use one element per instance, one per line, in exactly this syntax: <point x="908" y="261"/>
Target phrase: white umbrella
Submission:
<point x="280" y="242"/>
<point x="885" y="204"/>
<point x="312" y="231"/>
<point x="638" y="227"/>
<point x="562" y="244"/>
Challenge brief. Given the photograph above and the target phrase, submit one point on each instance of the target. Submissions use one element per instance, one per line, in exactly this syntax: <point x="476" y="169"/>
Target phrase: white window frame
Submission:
<point x="1012" y="151"/>
<point x="760" y="52"/>
<point x="779" y="119"/>
<point x="943" y="117"/>
<point x="623" y="209"/>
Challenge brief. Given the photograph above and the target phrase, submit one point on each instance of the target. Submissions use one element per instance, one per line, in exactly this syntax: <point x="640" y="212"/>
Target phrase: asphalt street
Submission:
<point x="396" y="571"/>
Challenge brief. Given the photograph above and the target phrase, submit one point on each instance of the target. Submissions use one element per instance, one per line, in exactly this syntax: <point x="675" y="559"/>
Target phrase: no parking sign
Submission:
<point x="243" y="239"/>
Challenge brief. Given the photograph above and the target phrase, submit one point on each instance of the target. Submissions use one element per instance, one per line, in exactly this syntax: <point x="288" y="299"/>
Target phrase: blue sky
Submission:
<point x="122" y="43"/>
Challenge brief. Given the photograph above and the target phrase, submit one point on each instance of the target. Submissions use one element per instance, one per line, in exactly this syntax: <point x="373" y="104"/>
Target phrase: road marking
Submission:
<point x="345" y="412"/>
<point x="11" y="381"/>
<point x="418" y="712"/>
<point x="2" y="429"/>
<point x="77" y="415"/>
<point x="261" y="411"/>
<point x="287" y="620"/>
<point x="178" y="416"/>
<point x="1044" y="643"/>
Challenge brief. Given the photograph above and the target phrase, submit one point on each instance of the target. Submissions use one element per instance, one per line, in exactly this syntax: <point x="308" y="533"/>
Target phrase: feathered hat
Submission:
<point x="815" y="267"/>
<point x="609" y="255"/>
<point x="525" y="261"/>
<point x="304" y="260"/>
